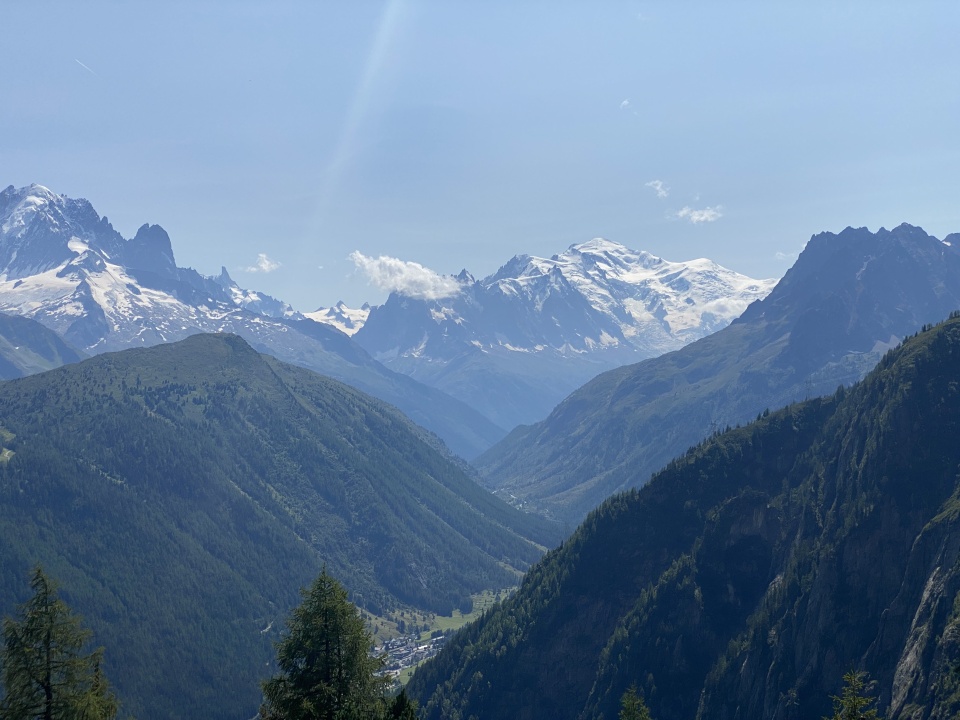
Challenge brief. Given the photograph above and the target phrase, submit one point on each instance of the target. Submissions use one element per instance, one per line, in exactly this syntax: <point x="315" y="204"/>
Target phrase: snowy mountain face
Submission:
<point x="596" y="296"/>
<point x="64" y="266"/>
<point x="346" y="320"/>
<point x="538" y="328"/>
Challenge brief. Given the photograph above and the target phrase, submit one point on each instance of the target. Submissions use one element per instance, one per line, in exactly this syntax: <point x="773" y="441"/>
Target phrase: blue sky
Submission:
<point x="458" y="134"/>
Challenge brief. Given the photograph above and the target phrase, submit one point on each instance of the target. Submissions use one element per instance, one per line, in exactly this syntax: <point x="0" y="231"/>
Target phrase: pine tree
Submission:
<point x="45" y="675"/>
<point x="632" y="706"/>
<point x="852" y="704"/>
<point x="326" y="670"/>
<point x="402" y="708"/>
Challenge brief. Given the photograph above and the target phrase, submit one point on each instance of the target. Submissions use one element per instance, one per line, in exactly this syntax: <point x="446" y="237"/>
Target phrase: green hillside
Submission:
<point x="182" y="494"/>
<point x="749" y="575"/>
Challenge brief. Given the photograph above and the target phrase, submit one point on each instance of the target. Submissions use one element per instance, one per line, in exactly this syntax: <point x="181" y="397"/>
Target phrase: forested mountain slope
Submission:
<point x="182" y="494"/>
<point x="848" y="298"/>
<point x="749" y="575"/>
<point x="27" y="347"/>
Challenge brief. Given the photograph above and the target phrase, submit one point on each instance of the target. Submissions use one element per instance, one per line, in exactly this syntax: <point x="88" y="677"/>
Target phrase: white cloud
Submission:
<point x="625" y="104"/>
<point x="708" y="214"/>
<point x="658" y="187"/>
<point x="404" y="277"/>
<point x="264" y="264"/>
<point x="780" y="255"/>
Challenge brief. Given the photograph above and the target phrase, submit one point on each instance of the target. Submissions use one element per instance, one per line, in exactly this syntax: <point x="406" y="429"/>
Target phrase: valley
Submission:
<point x="171" y="456"/>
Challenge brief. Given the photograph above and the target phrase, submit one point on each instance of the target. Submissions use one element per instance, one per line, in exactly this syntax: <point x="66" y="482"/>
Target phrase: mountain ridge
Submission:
<point x="848" y="298"/>
<point x="66" y="267"/>
<point x="185" y="491"/>
<point x="750" y="574"/>
<point x="516" y="342"/>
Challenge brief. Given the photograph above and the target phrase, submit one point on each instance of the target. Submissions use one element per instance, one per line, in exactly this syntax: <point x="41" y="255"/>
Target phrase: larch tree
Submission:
<point x="326" y="669"/>
<point x="46" y="675"/>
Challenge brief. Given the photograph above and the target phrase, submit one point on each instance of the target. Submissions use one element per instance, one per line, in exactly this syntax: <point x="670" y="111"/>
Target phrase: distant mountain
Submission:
<point x="183" y="493"/>
<point x="515" y="343"/>
<point x="748" y="576"/>
<point x="848" y="298"/>
<point x="66" y="267"/>
<point x="346" y="320"/>
<point x="27" y="347"/>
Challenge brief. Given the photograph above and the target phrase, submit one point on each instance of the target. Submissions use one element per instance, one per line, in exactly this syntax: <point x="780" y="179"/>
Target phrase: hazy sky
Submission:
<point x="278" y="138"/>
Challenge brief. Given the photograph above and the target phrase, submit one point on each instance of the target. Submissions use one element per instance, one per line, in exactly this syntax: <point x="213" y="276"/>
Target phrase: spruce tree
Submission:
<point x="45" y="674"/>
<point x="402" y="708"/>
<point x="852" y="704"/>
<point x="632" y="706"/>
<point x="326" y="670"/>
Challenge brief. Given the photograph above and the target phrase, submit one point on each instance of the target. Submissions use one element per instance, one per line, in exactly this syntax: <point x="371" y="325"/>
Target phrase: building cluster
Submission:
<point x="407" y="651"/>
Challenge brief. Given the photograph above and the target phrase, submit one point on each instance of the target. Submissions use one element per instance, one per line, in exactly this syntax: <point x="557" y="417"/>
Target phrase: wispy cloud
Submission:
<point x="780" y="255"/>
<point x="264" y="264"/>
<point x="708" y="214"/>
<point x="625" y="104"/>
<point x="659" y="188"/>
<point x="85" y="67"/>
<point x="406" y="278"/>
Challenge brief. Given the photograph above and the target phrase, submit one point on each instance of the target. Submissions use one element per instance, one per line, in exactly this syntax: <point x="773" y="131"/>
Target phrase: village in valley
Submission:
<point x="408" y="651"/>
<point x="407" y="638"/>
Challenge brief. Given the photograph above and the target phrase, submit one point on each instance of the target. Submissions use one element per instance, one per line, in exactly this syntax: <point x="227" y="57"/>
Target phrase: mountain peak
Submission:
<point x="598" y="245"/>
<point x="543" y="326"/>
<point x="150" y="249"/>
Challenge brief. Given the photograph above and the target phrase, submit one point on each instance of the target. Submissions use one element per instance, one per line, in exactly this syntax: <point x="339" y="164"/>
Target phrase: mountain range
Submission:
<point x="750" y="574"/>
<point x="64" y="266"/>
<point x="183" y="493"/>
<point x="514" y="344"/>
<point x="184" y="489"/>
<point x="848" y="298"/>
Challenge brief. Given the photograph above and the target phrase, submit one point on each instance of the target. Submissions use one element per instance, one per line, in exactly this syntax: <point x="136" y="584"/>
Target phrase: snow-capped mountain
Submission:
<point x="346" y="320"/>
<point x="63" y="265"/>
<point x="515" y="343"/>
<point x="66" y="267"/>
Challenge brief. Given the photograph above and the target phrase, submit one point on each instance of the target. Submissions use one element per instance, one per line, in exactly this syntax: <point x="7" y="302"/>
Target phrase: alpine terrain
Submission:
<point x="514" y="344"/>
<point x="751" y="574"/>
<point x="183" y="493"/>
<point x="64" y="266"/>
<point x="848" y="298"/>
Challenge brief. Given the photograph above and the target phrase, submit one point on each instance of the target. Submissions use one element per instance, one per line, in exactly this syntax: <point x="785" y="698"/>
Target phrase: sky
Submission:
<point x="297" y="143"/>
